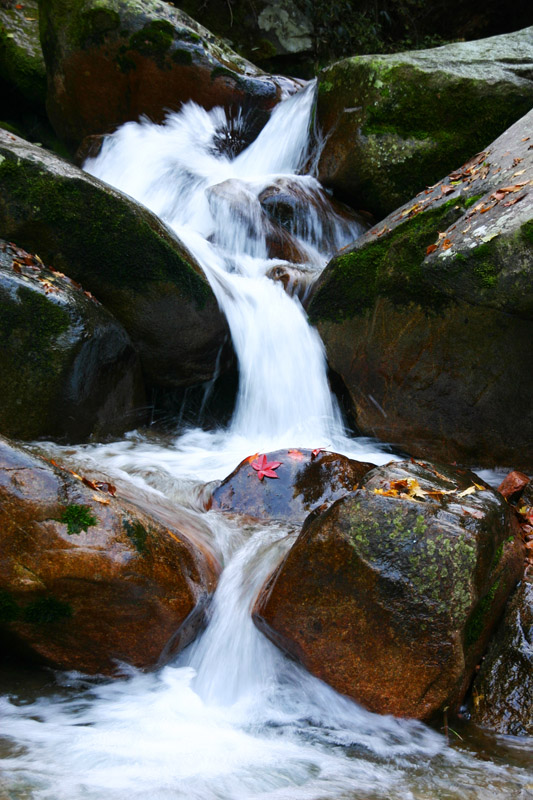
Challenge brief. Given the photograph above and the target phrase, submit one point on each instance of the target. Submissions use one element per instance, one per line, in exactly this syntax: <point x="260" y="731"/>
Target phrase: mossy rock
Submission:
<point x="391" y="594"/>
<point x="77" y="589"/>
<point x="395" y="124"/>
<point x="110" y="61"/>
<point x="120" y="252"/>
<point x="21" y="59"/>
<point x="428" y="316"/>
<point x="67" y="367"/>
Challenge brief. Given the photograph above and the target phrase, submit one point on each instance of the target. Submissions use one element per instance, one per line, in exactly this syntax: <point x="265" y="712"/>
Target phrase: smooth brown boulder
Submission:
<point x="306" y="481"/>
<point x="110" y="62"/>
<point x="88" y="580"/>
<point x="391" y="595"/>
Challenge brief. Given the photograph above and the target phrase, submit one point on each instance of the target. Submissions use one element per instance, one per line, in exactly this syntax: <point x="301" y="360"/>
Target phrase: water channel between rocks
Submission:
<point x="232" y="718"/>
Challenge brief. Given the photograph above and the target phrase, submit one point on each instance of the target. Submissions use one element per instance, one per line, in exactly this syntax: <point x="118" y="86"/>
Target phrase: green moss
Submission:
<point x="477" y="621"/>
<point x="62" y="217"/>
<point x="218" y="72"/>
<point x="78" y="518"/>
<point x="36" y="319"/>
<point x="47" y="610"/>
<point x="154" y="40"/>
<point x="471" y="201"/>
<point x="182" y="56"/>
<point x="137" y="533"/>
<point x="388" y="267"/>
<point x="96" y="24"/>
<point x="9" y="609"/>
<point x="526" y="232"/>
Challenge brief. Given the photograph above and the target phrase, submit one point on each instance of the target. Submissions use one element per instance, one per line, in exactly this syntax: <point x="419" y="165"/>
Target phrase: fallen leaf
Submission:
<point x="515" y="200"/>
<point x="100" y="499"/>
<point x="297" y="455"/>
<point x="525" y="139"/>
<point x="447" y="190"/>
<point x="516" y="174"/>
<point x="314" y="453"/>
<point x="251" y="458"/>
<point x="470" y="490"/>
<point x="431" y="249"/>
<point x="265" y="468"/>
<point x="446" y="244"/>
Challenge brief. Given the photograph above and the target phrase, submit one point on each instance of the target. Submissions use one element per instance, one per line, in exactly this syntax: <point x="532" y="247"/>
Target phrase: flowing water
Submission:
<point x="231" y="718"/>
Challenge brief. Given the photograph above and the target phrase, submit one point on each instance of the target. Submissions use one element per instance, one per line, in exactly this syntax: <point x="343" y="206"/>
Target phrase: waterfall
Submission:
<point x="231" y="718"/>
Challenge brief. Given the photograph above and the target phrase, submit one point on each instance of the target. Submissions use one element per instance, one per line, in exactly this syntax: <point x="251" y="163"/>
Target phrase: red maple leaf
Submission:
<point x="314" y="453"/>
<point x="263" y="467"/>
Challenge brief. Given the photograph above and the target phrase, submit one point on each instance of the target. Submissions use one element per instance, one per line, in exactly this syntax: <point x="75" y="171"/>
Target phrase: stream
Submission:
<point x="231" y="718"/>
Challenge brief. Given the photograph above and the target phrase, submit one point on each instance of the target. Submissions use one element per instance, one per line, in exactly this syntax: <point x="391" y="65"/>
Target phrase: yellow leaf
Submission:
<point x="470" y="490"/>
<point x="99" y="499"/>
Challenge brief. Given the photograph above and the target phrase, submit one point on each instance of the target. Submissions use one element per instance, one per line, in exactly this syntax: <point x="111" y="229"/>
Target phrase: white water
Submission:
<point x="231" y="718"/>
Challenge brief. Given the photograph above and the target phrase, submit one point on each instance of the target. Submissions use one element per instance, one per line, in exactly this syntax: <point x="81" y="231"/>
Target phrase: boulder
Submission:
<point x="21" y="58"/>
<point x="502" y="695"/>
<point x="119" y="251"/>
<point x="306" y="480"/>
<point x="394" y="124"/>
<point x="390" y="596"/>
<point x="109" y="62"/>
<point x="67" y="368"/>
<point x="88" y="580"/>
<point x="427" y="317"/>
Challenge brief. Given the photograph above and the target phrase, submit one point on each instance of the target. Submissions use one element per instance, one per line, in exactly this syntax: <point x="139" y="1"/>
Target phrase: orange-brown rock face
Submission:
<point x="87" y="580"/>
<point x="306" y="480"/>
<point x="390" y="596"/>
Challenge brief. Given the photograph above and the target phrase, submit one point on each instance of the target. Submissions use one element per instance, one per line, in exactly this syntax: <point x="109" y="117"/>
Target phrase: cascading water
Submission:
<point x="232" y="718"/>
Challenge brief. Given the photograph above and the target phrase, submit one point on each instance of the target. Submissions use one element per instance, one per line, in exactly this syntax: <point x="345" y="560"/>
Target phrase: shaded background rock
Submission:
<point x="395" y="124"/>
<point x="119" y="251"/>
<point x="391" y="598"/>
<point x="67" y="368"/>
<point x="87" y="580"/>
<point x="502" y="695"/>
<point x="428" y="316"/>
<point x="110" y="62"/>
<point x="305" y="482"/>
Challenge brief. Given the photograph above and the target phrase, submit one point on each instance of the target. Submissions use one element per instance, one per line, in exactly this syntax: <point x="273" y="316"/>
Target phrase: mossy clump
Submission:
<point x="476" y="623"/>
<point x="388" y="267"/>
<point x="47" y="610"/>
<point x="62" y="216"/>
<point x="154" y="40"/>
<point x="137" y="533"/>
<point x="78" y="518"/>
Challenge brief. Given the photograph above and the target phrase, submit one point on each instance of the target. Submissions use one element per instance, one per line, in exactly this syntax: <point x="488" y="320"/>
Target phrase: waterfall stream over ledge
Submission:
<point x="232" y="718"/>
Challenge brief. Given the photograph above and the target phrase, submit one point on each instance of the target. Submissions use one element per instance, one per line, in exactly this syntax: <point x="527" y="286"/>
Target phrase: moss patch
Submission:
<point x="389" y="267"/>
<point x="47" y="610"/>
<point x="476" y="623"/>
<point x="61" y="217"/>
<point x="78" y="518"/>
<point x="137" y="533"/>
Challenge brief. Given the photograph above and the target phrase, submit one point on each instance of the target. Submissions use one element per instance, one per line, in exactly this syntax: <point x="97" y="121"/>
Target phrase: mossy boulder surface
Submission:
<point x="21" y="59"/>
<point x="397" y="123"/>
<point x="119" y="251"/>
<point x="67" y="367"/>
<point x="502" y="695"/>
<point x="110" y="61"/>
<point x="390" y="596"/>
<point x="428" y="316"/>
<point x="88" y="579"/>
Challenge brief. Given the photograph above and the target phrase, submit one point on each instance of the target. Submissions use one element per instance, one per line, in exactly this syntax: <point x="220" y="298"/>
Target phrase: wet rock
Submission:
<point x="513" y="485"/>
<point x="305" y="482"/>
<point x="397" y="123"/>
<point x="119" y="251"/>
<point x="21" y="58"/>
<point x="90" y="147"/>
<point x="110" y="63"/>
<point x="502" y="696"/>
<point x="67" y="368"/>
<point x="297" y="281"/>
<point x="427" y="317"/>
<point x="390" y="596"/>
<point x="86" y="579"/>
<point x="302" y="207"/>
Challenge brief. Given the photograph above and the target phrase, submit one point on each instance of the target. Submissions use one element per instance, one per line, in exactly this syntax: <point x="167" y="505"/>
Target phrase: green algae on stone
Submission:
<point x="137" y="533"/>
<point x="9" y="608"/>
<point x="78" y="518"/>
